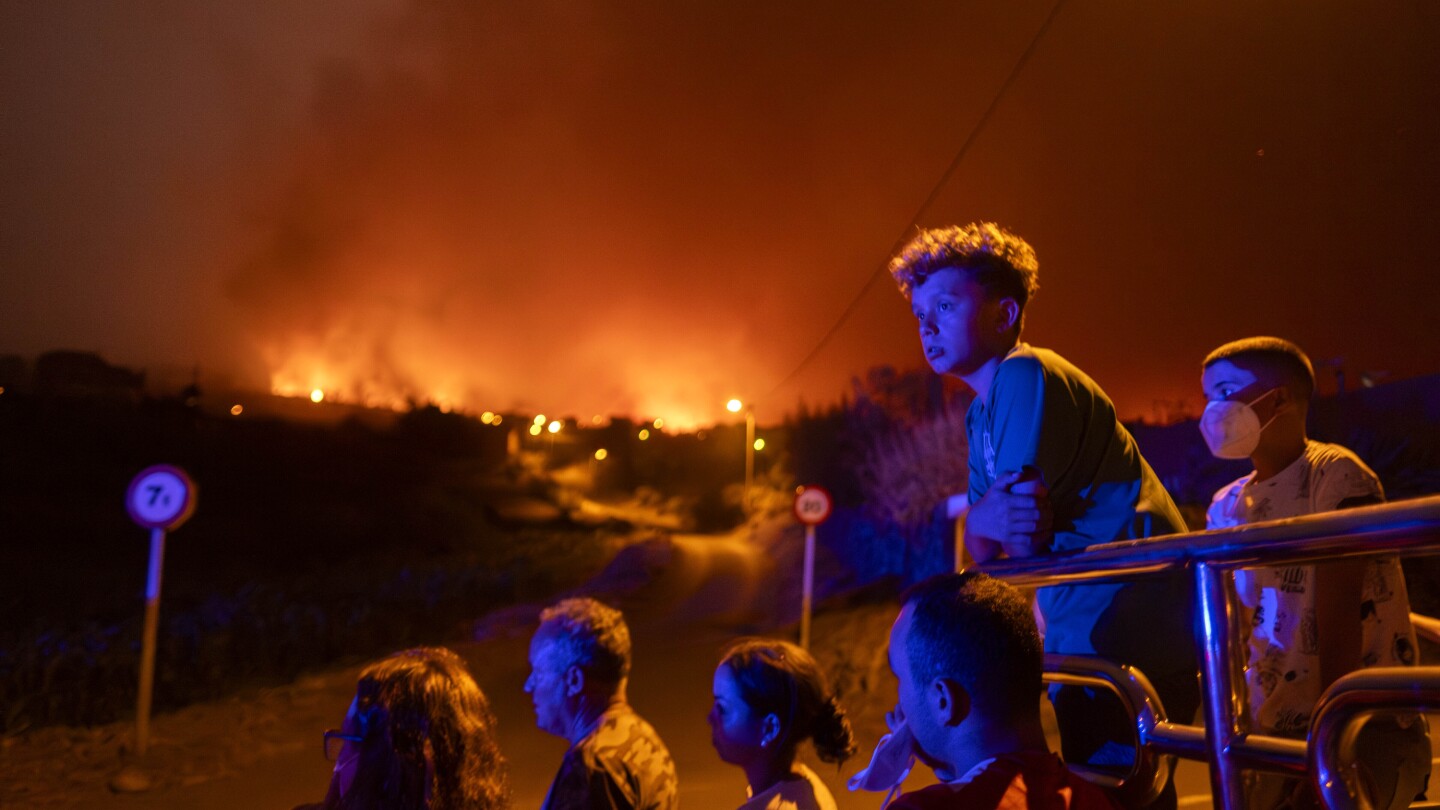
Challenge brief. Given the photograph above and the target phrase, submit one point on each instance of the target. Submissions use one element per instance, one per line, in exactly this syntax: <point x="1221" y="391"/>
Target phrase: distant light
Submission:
<point x="317" y="395"/>
<point x="487" y="417"/>
<point x="534" y="430"/>
<point x="700" y="435"/>
<point x="659" y="423"/>
<point x="644" y="434"/>
<point x="759" y="445"/>
<point x="540" y="419"/>
<point x="596" y="419"/>
<point x="1259" y="153"/>
<point x="601" y="454"/>
<point x="555" y="426"/>
<point x="237" y="409"/>
<point x="734" y="406"/>
<point x="497" y="419"/>
<point x="2" y="390"/>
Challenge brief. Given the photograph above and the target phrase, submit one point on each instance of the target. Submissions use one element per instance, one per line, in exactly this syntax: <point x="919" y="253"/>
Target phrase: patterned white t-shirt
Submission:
<point x="1282" y="671"/>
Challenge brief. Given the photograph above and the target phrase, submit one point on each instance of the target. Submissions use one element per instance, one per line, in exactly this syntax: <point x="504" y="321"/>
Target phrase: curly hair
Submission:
<point x="590" y="635"/>
<point x="429" y="738"/>
<point x="1002" y="263"/>
<point x="777" y="677"/>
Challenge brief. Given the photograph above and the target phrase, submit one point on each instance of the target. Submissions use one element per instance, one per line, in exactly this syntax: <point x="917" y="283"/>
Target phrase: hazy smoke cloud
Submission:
<point x="542" y="204"/>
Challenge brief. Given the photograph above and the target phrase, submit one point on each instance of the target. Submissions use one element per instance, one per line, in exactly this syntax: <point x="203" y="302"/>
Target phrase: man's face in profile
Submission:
<point x="546" y="685"/>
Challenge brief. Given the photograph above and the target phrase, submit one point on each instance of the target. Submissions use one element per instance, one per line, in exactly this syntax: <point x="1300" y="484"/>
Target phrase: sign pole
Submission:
<point x="160" y="498"/>
<point x="147" y="646"/>
<point x="807" y="599"/>
<point x="812" y="506"/>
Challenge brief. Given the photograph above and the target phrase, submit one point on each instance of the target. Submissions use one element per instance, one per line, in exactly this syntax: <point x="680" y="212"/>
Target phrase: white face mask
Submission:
<point x="1232" y="429"/>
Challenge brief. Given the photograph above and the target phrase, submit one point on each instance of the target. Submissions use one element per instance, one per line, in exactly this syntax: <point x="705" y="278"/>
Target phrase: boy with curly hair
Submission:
<point x="1051" y="469"/>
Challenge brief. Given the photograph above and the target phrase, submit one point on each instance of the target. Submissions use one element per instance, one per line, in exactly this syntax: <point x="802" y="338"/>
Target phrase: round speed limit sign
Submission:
<point x="812" y="505"/>
<point x="160" y="497"/>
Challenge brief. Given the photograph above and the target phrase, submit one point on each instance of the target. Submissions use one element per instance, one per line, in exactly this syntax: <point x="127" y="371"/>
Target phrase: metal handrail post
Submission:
<point x="1341" y="712"/>
<point x="1216" y="605"/>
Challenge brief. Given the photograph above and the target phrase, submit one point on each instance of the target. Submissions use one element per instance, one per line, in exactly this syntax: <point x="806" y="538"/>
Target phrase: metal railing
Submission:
<point x="1407" y="527"/>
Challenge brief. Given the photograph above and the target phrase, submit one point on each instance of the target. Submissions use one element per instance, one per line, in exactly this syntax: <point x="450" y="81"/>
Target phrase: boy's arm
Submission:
<point x="1339" y="585"/>
<point x="1002" y="517"/>
<point x="1337" y="617"/>
<point x="980" y="548"/>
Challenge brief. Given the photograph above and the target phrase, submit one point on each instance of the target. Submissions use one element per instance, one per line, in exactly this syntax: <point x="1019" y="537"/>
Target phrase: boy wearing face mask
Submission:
<point x="1309" y="624"/>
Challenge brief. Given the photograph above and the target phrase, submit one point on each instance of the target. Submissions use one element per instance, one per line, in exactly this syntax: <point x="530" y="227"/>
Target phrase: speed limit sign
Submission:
<point x="812" y="505"/>
<point x="160" y="497"/>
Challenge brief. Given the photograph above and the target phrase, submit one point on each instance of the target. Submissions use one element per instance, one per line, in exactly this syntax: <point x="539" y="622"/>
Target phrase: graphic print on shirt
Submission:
<point x="1403" y="647"/>
<point x="1377" y="587"/>
<point x="1309" y="633"/>
<point x="1292" y="722"/>
<point x="1267" y="669"/>
<point x="989" y="456"/>
<point x="1292" y="579"/>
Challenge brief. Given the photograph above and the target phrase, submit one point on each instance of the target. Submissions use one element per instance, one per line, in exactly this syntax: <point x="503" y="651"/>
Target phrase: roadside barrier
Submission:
<point x="1224" y="740"/>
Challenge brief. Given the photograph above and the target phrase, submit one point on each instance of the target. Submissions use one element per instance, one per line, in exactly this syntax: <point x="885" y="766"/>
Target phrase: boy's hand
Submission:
<point x="1015" y="513"/>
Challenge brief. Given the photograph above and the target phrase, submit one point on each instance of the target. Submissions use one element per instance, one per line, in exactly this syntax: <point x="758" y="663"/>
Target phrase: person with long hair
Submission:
<point x="419" y="735"/>
<point x="770" y="696"/>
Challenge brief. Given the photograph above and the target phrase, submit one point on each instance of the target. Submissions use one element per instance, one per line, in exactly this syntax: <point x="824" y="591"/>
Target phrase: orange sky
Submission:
<point x="649" y="207"/>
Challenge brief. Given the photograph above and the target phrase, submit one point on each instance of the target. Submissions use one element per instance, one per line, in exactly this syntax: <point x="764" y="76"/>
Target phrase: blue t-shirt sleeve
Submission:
<point x="1037" y="421"/>
<point x="1018" y="401"/>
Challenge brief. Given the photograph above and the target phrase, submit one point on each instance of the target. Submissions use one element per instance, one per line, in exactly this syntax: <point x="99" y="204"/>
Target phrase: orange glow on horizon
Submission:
<point x="399" y="380"/>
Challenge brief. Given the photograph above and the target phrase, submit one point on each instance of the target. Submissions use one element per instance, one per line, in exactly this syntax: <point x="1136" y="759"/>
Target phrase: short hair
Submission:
<point x="1002" y="263"/>
<point x="780" y="678"/>
<point x="429" y="737"/>
<point x="979" y="631"/>
<point x="590" y="635"/>
<point x="1275" y="355"/>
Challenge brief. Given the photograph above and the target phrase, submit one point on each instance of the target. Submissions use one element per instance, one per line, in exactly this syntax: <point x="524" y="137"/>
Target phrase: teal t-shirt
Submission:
<point x="1044" y="412"/>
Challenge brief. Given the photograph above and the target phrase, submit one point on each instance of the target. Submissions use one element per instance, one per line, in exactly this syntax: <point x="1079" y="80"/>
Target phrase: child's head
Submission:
<point x="1250" y="385"/>
<point x="968" y="287"/>
<point x="999" y="261"/>
<point x="769" y="697"/>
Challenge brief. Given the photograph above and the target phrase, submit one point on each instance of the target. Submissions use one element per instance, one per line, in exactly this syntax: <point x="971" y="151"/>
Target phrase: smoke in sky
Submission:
<point x="555" y="205"/>
<point x="646" y="207"/>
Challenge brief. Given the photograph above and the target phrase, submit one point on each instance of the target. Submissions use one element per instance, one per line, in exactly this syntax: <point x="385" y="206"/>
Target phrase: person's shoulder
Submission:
<point x="1023" y="369"/>
<point x="1340" y="476"/>
<point x="628" y="749"/>
<point x="1325" y="455"/>
<point x="805" y="793"/>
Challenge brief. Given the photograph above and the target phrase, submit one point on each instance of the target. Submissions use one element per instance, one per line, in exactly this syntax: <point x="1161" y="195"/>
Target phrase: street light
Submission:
<point x="734" y="406"/>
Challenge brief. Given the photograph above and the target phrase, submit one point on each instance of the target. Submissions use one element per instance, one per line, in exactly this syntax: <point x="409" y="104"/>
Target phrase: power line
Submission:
<point x="882" y="270"/>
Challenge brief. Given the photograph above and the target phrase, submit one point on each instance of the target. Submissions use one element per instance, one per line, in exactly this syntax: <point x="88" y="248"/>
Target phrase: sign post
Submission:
<point x="812" y="506"/>
<point x="160" y="498"/>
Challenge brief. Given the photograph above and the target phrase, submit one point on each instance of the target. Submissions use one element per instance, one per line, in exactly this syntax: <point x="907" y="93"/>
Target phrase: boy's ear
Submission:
<point x="1007" y="315"/>
<point x="950" y="701"/>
